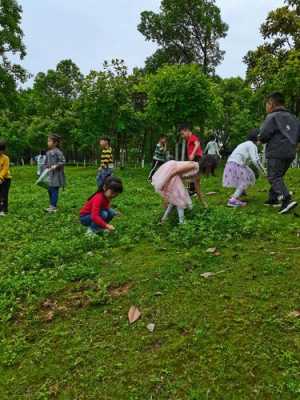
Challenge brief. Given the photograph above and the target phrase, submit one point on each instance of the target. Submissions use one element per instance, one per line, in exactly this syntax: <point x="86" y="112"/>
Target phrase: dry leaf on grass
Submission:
<point x="133" y="314"/>
<point x="120" y="290"/>
<point x="49" y="316"/>
<point x="211" y="193"/>
<point x="207" y="275"/>
<point x="211" y="250"/>
<point x="151" y="327"/>
<point x="294" y="314"/>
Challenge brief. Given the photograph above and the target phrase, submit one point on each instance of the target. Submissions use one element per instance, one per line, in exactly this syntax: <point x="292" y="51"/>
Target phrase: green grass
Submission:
<point x="64" y="329"/>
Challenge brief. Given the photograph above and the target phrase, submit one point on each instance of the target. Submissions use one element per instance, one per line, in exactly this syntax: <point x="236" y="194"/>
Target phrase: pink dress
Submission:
<point x="175" y="192"/>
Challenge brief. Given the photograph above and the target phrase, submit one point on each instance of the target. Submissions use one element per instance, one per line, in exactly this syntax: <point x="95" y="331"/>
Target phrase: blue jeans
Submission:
<point x="102" y="175"/>
<point x="107" y="214"/>
<point x="53" y="196"/>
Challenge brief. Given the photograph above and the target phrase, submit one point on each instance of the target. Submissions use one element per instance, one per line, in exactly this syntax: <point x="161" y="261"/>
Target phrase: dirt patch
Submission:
<point x="119" y="290"/>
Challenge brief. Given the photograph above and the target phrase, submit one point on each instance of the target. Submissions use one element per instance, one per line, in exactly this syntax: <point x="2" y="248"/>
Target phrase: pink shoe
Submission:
<point x="236" y="203"/>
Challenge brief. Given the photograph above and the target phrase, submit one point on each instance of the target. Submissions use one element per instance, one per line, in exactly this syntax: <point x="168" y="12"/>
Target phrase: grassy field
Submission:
<point x="64" y="298"/>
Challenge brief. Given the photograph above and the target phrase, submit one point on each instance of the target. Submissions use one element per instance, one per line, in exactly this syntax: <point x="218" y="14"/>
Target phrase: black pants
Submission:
<point x="155" y="165"/>
<point x="4" y="189"/>
<point x="276" y="170"/>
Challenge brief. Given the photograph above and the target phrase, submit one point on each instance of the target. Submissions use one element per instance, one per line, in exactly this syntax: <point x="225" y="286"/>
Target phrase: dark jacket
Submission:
<point x="281" y="133"/>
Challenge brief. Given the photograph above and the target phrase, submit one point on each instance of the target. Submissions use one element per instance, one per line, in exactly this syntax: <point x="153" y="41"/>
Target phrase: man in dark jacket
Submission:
<point x="281" y="134"/>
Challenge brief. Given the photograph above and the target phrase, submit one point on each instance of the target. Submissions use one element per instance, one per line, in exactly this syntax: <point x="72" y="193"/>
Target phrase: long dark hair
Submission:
<point x="111" y="182"/>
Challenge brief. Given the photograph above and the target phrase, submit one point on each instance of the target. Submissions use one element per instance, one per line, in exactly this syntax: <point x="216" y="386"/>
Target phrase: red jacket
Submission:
<point x="94" y="206"/>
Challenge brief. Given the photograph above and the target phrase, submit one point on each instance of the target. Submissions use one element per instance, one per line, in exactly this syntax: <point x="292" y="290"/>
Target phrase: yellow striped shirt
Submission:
<point x="106" y="157"/>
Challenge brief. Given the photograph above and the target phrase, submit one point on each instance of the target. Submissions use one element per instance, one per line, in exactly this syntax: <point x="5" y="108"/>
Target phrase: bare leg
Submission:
<point x="167" y="213"/>
<point x="198" y="191"/>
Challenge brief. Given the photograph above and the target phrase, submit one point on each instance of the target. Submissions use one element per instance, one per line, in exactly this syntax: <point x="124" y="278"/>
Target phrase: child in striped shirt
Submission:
<point x="160" y="156"/>
<point x="107" y="165"/>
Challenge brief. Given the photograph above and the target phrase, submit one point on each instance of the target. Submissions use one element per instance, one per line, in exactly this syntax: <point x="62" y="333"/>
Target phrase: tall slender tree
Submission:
<point x="186" y="31"/>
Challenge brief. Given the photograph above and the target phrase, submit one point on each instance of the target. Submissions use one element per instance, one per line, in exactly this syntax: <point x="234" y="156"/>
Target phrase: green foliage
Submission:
<point x="181" y="93"/>
<point x="186" y="32"/>
<point x="11" y="41"/>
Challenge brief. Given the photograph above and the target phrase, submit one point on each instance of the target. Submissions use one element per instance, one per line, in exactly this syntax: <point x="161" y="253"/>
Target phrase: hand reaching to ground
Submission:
<point x="110" y="228"/>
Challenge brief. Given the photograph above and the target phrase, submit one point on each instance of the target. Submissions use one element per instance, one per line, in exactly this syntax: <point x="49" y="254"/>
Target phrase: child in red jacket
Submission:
<point x="96" y="213"/>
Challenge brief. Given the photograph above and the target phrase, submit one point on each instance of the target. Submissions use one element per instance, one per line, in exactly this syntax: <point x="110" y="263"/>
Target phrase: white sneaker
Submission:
<point x="2" y="214"/>
<point x="90" y="233"/>
<point x="51" y="209"/>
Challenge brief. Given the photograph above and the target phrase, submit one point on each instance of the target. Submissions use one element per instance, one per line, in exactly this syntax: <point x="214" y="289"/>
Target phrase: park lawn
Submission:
<point x="64" y="298"/>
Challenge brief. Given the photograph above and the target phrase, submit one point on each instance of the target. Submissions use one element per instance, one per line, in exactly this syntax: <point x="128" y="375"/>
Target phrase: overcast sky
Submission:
<point x="92" y="31"/>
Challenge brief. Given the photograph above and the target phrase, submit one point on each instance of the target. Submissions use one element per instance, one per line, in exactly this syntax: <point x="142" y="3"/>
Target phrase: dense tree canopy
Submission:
<point x="134" y="108"/>
<point x="186" y="32"/>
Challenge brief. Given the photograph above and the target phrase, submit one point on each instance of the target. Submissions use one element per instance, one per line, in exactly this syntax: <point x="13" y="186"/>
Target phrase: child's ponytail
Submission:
<point x="111" y="182"/>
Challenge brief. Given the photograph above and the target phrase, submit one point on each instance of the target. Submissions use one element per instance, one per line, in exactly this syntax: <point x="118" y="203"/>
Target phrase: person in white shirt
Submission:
<point x="41" y="162"/>
<point x="212" y="148"/>
<point x="211" y="158"/>
<point x="237" y="173"/>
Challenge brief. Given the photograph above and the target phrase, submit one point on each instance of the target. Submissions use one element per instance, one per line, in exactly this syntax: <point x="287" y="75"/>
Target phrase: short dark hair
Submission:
<point x="43" y="152"/>
<point x="277" y="98"/>
<point x="253" y="135"/>
<point x="55" y="138"/>
<point x="2" y="144"/>
<point x="184" y="127"/>
<point x="106" y="139"/>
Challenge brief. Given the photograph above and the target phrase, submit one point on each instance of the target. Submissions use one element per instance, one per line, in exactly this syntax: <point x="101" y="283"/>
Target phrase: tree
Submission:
<point x="281" y="34"/>
<point x="11" y="42"/>
<point x="179" y="94"/>
<point x="186" y="31"/>
<point x="240" y="112"/>
<point x="106" y="106"/>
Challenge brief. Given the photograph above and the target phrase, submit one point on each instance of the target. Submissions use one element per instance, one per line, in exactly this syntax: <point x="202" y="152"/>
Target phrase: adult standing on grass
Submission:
<point x="5" y="179"/>
<point x="281" y="134"/>
<point x="55" y="162"/>
<point x="195" y="153"/>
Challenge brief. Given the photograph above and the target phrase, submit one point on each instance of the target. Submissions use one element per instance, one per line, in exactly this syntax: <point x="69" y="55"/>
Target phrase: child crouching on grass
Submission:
<point x="237" y="173"/>
<point x="167" y="181"/>
<point x="96" y="213"/>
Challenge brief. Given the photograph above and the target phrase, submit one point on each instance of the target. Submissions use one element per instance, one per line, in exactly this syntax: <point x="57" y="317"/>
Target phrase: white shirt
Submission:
<point x="246" y="153"/>
<point x="212" y="148"/>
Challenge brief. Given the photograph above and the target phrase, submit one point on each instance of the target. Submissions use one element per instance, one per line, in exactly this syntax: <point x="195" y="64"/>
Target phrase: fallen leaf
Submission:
<point x="211" y="250"/>
<point x="119" y="291"/>
<point x="294" y="314"/>
<point x="133" y="314"/>
<point x="207" y="275"/>
<point x="151" y="327"/>
<point x="49" y="304"/>
<point x="49" y="316"/>
<point x="210" y="274"/>
<point x="211" y="193"/>
<point x="158" y="294"/>
<point x="217" y="253"/>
